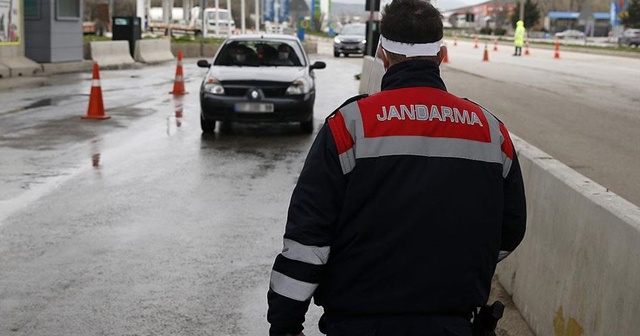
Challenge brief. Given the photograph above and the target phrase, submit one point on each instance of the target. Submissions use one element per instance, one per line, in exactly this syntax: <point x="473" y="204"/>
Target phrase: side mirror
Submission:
<point x="204" y="64"/>
<point x="318" y="65"/>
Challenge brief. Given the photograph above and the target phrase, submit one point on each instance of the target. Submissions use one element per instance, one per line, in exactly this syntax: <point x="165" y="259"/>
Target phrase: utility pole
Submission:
<point x="229" y="18"/>
<point x="203" y="27"/>
<point x="218" y="18"/>
<point x="370" y="30"/>
<point x="522" y="10"/>
<point x="257" y="20"/>
<point x="242" y="15"/>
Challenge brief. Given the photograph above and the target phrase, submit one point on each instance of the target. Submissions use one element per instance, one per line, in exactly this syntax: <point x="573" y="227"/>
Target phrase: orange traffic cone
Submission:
<point x="96" y="105"/>
<point x="178" y="84"/>
<point x="475" y="46"/>
<point x="495" y="45"/>
<point x="485" y="57"/>
<point x="526" y="48"/>
<point x="557" y="53"/>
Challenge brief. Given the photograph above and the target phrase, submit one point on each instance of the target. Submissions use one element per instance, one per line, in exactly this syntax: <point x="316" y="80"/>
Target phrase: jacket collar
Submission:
<point x="411" y="74"/>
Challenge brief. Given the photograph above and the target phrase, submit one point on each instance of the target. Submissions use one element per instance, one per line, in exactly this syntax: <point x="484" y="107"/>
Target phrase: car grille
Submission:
<point x="270" y="90"/>
<point x="350" y="43"/>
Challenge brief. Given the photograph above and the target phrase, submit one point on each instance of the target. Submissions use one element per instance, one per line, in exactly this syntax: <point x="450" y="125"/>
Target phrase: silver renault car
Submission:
<point x="259" y="78"/>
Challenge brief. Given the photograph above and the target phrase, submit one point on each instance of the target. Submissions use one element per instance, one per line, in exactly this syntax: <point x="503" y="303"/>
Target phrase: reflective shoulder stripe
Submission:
<point x="507" y="145"/>
<point x="291" y="288"/>
<point x="343" y="140"/>
<point x="507" y="150"/>
<point x="341" y="135"/>
<point x="315" y="255"/>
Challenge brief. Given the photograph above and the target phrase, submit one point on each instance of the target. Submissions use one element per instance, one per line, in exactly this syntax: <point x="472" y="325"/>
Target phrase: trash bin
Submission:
<point x="127" y="28"/>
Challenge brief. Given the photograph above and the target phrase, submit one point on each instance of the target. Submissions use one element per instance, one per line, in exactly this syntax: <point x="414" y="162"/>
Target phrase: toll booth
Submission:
<point x="127" y="28"/>
<point x="372" y="40"/>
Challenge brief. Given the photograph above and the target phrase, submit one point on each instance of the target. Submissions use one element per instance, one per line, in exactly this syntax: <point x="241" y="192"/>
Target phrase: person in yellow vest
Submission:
<point x="518" y="38"/>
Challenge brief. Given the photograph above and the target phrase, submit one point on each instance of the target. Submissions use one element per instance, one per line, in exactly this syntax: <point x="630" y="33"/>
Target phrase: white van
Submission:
<point x="217" y="21"/>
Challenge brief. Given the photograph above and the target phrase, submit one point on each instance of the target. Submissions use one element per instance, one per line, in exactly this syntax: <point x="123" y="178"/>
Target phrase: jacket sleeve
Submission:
<point x="313" y="211"/>
<point x="514" y="217"/>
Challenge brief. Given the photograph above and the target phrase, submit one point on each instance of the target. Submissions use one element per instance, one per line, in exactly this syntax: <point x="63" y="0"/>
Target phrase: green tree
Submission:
<point x="531" y="14"/>
<point x="631" y="17"/>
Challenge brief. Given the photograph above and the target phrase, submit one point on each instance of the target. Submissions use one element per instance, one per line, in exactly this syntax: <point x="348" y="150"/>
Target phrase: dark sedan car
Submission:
<point x="259" y="78"/>
<point x="351" y="40"/>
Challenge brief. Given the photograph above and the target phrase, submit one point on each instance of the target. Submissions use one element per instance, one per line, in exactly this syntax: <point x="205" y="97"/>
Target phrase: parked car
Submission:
<point x="570" y="33"/>
<point x="630" y="37"/>
<point x="259" y="78"/>
<point x="351" y="40"/>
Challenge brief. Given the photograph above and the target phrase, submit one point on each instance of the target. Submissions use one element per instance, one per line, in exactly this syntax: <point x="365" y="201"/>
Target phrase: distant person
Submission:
<point x="518" y="38"/>
<point x="284" y="53"/>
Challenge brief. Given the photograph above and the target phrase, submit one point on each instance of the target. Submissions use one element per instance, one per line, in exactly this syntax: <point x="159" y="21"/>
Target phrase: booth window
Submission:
<point x="31" y="9"/>
<point x="68" y="9"/>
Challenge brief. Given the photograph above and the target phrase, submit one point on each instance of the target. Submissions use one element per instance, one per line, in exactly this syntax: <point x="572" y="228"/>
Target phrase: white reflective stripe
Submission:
<point x="497" y="139"/>
<point x="410" y="49"/>
<point x="315" y="255"/>
<point x="506" y="165"/>
<point x="503" y="254"/>
<point x="291" y="288"/>
<point x="347" y="161"/>
<point x="95" y="82"/>
<point x="353" y="121"/>
<point x="179" y="78"/>
<point x="428" y="147"/>
<point x="494" y="128"/>
<point x="353" y="124"/>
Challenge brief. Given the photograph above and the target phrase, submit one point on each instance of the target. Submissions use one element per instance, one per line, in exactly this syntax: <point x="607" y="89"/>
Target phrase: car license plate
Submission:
<point x="254" y="107"/>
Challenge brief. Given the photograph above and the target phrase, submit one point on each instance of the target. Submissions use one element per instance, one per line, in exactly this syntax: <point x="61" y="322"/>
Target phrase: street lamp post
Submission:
<point x="242" y="16"/>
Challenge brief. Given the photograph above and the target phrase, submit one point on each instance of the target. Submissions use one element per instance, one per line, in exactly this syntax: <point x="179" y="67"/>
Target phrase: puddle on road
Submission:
<point x="40" y="103"/>
<point x="51" y="101"/>
<point x="176" y="117"/>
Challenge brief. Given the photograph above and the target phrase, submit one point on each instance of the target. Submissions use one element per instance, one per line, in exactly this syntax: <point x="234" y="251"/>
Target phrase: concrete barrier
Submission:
<point x="153" y="51"/>
<point x="19" y="66"/>
<point x="310" y="47"/>
<point x="577" y="271"/>
<point x="371" y="76"/>
<point x="14" y="64"/>
<point x="578" y="268"/>
<point x="193" y="50"/>
<point x="111" y="53"/>
<point x="4" y="71"/>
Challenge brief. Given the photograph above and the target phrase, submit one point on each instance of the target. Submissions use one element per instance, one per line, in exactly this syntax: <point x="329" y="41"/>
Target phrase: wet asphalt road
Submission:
<point x="140" y="225"/>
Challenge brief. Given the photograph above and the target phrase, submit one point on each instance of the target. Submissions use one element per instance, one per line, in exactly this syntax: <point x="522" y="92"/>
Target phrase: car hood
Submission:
<point x="277" y="74"/>
<point x="351" y="38"/>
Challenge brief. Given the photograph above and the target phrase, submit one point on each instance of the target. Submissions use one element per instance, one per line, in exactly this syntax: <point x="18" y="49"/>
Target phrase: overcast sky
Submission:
<point x="442" y="4"/>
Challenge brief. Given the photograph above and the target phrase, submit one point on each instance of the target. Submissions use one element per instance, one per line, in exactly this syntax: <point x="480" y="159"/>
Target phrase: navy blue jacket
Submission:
<point x="406" y="202"/>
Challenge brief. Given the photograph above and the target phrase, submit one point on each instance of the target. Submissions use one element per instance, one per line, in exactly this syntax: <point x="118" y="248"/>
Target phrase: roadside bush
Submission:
<point x="486" y="31"/>
<point x="500" y="31"/>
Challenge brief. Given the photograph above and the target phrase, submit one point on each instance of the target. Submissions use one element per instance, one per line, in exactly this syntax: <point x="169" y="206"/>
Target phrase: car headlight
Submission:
<point x="363" y="42"/>
<point x="299" y="86"/>
<point x="212" y="85"/>
<point x="336" y="40"/>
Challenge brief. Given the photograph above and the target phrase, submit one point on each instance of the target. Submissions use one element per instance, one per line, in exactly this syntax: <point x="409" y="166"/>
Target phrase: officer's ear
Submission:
<point x="383" y="56"/>
<point x="442" y="54"/>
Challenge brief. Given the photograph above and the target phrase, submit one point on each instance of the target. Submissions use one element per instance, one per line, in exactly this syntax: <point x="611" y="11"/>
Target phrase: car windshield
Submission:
<point x="353" y="30"/>
<point x="260" y="52"/>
